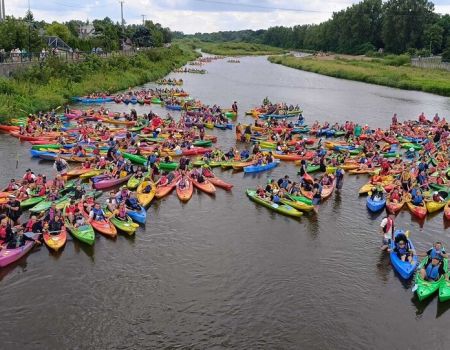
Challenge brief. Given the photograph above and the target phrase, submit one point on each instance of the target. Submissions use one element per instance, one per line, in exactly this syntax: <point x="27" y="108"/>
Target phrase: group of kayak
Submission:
<point x="170" y="81"/>
<point x="431" y="274"/>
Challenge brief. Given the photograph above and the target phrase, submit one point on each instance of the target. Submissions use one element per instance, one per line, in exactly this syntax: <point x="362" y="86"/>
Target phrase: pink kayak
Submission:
<point x="8" y="256"/>
<point x="101" y="182"/>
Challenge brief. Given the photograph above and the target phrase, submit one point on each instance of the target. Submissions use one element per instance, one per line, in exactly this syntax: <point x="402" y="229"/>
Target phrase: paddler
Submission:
<point x="61" y="166"/>
<point x="403" y="248"/>
<point x="13" y="211"/>
<point x="433" y="270"/>
<point x="387" y="230"/>
<point x="97" y="213"/>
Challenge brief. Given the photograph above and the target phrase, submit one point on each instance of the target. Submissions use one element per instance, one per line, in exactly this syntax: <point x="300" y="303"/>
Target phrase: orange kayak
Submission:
<point x="184" y="194"/>
<point x="327" y="190"/>
<point x="162" y="191"/>
<point x="393" y="207"/>
<point x="205" y="186"/>
<point x="241" y="165"/>
<point x="220" y="183"/>
<point x="418" y="211"/>
<point x="55" y="241"/>
<point x="103" y="226"/>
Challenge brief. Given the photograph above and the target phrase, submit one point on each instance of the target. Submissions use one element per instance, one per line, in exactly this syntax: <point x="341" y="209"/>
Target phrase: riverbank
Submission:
<point x="232" y="48"/>
<point x="42" y="88"/>
<point x="387" y="72"/>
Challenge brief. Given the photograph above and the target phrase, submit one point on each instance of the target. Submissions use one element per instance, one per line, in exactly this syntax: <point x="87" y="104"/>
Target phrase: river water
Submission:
<point x="223" y="272"/>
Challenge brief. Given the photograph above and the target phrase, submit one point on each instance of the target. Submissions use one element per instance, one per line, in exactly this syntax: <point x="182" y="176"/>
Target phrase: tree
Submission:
<point x="404" y="22"/>
<point x="59" y="30"/>
<point x="433" y="35"/>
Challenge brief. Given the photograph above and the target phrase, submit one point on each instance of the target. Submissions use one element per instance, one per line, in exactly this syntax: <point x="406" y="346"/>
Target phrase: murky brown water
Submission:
<point x="223" y="272"/>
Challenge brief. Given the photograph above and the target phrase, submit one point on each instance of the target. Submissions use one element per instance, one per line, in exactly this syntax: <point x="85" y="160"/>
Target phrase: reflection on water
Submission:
<point x="224" y="272"/>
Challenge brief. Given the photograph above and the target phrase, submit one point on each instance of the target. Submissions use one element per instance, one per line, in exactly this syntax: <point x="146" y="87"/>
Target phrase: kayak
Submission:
<point x="144" y="199"/>
<point x="168" y="166"/>
<point x="444" y="289"/>
<point x="427" y="288"/>
<point x="31" y="202"/>
<point x="77" y="172"/>
<point x="103" y="226"/>
<point x="55" y="241"/>
<point x="106" y="181"/>
<point x="8" y="256"/>
<point x="279" y="208"/>
<point x="202" y="143"/>
<point x="134" y="182"/>
<point x="45" y="204"/>
<point x="205" y="186"/>
<point x="186" y="193"/>
<point x="220" y="183"/>
<point x="127" y="226"/>
<point x="297" y="204"/>
<point x="302" y="199"/>
<point x="327" y="190"/>
<point x="134" y="158"/>
<point x="375" y="206"/>
<point x="258" y="168"/>
<point x="404" y="268"/>
<point x="162" y="191"/>
<point x="92" y="173"/>
<point x="418" y="211"/>
<point x="433" y="206"/>
<point x="83" y="233"/>
<point x="139" y="216"/>
<point x="393" y="207"/>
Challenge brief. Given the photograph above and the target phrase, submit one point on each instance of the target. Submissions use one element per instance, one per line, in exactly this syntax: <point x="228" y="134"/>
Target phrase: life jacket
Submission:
<point x="98" y="214"/>
<point x="389" y="225"/>
<point x="2" y="233"/>
<point x="432" y="272"/>
<point x="70" y="209"/>
<point x="122" y="213"/>
<point x="29" y="226"/>
<point x="435" y="254"/>
<point x="28" y="177"/>
<point x="60" y="166"/>
<point x="404" y="250"/>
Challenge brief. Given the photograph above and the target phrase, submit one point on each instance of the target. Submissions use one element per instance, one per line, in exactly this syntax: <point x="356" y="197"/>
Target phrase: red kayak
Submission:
<point x="220" y="183"/>
<point x="9" y="128"/>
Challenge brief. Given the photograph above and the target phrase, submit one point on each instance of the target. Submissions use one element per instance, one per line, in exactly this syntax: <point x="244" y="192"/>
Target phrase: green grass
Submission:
<point x="392" y="71"/>
<point x="232" y="48"/>
<point x="53" y="84"/>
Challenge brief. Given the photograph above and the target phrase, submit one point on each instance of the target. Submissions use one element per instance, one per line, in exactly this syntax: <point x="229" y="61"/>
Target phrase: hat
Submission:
<point x="435" y="193"/>
<point x="411" y="149"/>
<point x="11" y="196"/>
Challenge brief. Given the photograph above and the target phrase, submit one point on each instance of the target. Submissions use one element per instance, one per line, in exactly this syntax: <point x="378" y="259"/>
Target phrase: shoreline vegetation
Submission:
<point x="393" y="71"/>
<point x="232" y="48"/>
<point x="52" y="84"/>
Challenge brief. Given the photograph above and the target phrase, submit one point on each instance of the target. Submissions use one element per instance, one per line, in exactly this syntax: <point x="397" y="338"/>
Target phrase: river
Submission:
<point x="222" y="272"/>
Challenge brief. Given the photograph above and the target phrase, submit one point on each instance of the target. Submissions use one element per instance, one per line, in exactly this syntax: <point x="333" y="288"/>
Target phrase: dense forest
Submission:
<point x="26" y="33"/>
<point x="397" y="26"/>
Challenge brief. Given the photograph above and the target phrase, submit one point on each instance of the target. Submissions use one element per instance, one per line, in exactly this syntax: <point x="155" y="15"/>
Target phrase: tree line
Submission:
<point x="396" y="26"/>
<point x="26" y="33"/>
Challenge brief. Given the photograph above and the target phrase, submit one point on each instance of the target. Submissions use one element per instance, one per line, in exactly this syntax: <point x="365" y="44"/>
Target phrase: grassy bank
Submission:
<point x="392" y="71"/>
<point x="42" y="88"/>
<point x="232" y="48"/>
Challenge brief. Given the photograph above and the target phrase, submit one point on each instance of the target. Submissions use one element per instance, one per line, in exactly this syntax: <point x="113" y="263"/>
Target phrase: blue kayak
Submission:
<point x="43" y="154"/>
<point x="259" y="168"/>
<point x="220" y="126"/>
<point x="139" y="216"/>
<point x="230" y="126"/>
<point x="174" y="107"/>
<point x="375" y="206"/>
<point x="95" y="100"/>
<point x="404" y="268"/>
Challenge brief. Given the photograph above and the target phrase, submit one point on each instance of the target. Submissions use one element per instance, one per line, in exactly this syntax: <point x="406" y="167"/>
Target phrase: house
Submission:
<point x="86" y="31"/>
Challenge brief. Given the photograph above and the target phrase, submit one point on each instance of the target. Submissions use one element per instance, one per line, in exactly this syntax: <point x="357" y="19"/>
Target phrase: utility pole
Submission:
<point x="29" y="29"/>
<point x="2" y="10"/>
<point x="143" y="19"/>
<point x="122" y="23"/>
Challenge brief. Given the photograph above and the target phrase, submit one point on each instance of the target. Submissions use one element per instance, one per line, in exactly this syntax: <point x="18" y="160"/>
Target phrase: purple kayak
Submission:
<point x="8" y="256"/>
<point x="105" y="181"/>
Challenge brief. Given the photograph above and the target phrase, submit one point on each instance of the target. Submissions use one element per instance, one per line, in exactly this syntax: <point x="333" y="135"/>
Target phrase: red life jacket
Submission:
<point x="2" y="232"/>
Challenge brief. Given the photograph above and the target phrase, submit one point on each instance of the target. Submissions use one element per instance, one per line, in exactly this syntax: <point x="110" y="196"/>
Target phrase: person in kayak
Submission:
<point x="61" y="166"/>
<point x="121" y="212"/>
<point x="55" y="226"/>
<point x="436" y="251"/>
<point x="97" y="213"/>
<point x="78" y="193"/>
<point x="70" y="211"/>
<point x="433" y="269"/>
<point x="132" y="202"/>
<point x="111" y="202"/>
<point x="387" y="231"/>
<point x="29" y="176"/>
<point x="403" y="248"/>
<point x="15" y="238"/>
<point x="33" y="225"/>
<point x="13" y="210"/>
<point x="123" y="194"/>
<point x="12" y="186"/>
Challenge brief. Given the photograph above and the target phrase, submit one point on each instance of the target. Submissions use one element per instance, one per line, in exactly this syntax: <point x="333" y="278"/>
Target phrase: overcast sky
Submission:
<point x="192" y="16"/>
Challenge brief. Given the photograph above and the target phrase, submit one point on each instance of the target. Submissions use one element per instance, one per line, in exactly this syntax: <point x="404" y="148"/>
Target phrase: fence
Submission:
<point x="430" y="63"/>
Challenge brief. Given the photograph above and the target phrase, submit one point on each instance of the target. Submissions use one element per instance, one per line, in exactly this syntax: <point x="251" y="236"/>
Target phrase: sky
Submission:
<point x="191" y="16"/>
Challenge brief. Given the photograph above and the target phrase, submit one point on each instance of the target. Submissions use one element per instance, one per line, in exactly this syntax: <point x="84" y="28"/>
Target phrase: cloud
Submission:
<point x="192" y="16"/>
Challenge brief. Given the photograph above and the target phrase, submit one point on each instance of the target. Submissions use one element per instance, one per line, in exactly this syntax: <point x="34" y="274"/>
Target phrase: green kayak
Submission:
<point x="31" y="202"/>
<point x="427" y="288"/>
<point x="48" y="146"/>
<point x="156" y="100"/>
<point x="134" y="158"/>
<point x="301" y="199"/>
<point x="444" y="289"/>
<point x="339" y="133"/>
<point x="202" y="143"/>
<point x="83" y="233"/>
<point x="45" y="204"/>
<point x="133" y="182"/>
<point x="168" y="166"/>
<point x="409" y="145"/>
<point x="279" y="208"/>
<point x="127" y="226"/>
<point x="230" y="114"/>
<point x="312" y="168"/>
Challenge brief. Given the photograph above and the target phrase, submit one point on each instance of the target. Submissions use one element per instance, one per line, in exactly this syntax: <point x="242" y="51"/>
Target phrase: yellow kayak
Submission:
<point x="433" y="206"/>
<point x="92" y="173"/>
<point x="145" y="198"/>
<point x="297" y="204"/>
